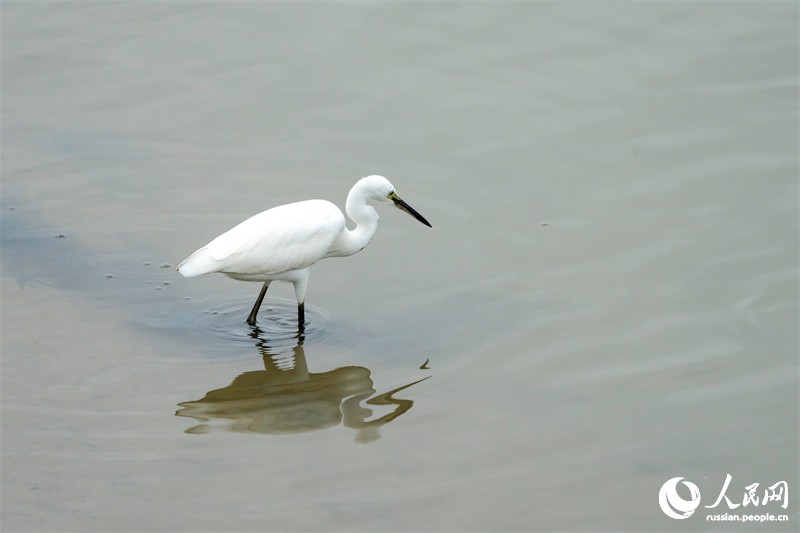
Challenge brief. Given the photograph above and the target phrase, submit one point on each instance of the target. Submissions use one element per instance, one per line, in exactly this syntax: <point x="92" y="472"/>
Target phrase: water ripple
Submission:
<point x="217" y="325"/>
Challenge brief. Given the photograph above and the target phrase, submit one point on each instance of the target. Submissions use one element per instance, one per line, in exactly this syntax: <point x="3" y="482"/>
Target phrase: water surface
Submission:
<point x="607" y="298"/>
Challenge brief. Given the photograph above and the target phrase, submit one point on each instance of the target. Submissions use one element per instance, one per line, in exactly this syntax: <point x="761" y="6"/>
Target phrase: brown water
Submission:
<point x="607" y="298"/>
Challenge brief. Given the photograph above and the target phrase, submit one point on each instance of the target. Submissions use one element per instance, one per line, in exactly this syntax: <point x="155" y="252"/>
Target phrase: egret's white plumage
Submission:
<point x="288" y="237"/>
<point x="283" y="242"/>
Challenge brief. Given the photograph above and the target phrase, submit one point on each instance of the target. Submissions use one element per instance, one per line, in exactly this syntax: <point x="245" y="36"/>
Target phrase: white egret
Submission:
<point x="283" y="242"/>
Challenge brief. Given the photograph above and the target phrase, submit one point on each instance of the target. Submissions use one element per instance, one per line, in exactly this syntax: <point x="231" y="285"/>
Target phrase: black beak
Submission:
<point x="400" y="204"/>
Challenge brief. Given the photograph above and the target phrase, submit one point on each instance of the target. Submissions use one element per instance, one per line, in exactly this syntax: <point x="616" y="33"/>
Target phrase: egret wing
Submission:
<point x="288" y="237"/>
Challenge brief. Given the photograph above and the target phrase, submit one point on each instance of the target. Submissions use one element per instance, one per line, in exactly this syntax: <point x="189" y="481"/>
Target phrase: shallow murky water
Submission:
<point x="607" y="298"/>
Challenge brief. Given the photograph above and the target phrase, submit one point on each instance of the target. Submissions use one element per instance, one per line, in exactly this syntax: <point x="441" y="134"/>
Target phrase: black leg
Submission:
<point x="301" y="319"/>
<point x="252" y="318"/>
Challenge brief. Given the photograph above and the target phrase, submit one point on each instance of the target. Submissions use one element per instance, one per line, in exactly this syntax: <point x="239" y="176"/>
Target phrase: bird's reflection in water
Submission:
<point x="285" y="398"/>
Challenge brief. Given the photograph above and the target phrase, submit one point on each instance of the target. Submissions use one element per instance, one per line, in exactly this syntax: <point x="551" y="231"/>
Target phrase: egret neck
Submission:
<point x="366" y="219"/>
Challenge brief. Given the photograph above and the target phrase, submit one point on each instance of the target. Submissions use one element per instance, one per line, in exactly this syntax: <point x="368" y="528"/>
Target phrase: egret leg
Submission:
<point x="300" y="284"/>
<point x="252" y="318"/>
<point x="301" y="319"/>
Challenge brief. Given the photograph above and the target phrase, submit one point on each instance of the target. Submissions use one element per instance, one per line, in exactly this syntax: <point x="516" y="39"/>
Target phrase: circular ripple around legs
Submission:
<point x="223" y="323"/>
<point x="217" y="328"/>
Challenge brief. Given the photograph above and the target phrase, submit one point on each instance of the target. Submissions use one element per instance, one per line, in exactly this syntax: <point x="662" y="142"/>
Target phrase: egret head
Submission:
<point x="381" y="189"/>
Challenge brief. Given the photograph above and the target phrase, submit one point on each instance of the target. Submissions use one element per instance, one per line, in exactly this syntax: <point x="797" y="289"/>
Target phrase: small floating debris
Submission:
<point x="166" y="265"/>
<point x="147" y="263"/>
<point x="109" y="276"/>
<point x="544" y="223"/>
<point x="187" y="298"/>
<point x="158" y="288"/>
<point x="12" y="208"/>
<point x="59" y="235"/>
<point x="425" y="365"/>
<point x="166" y="283"/>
